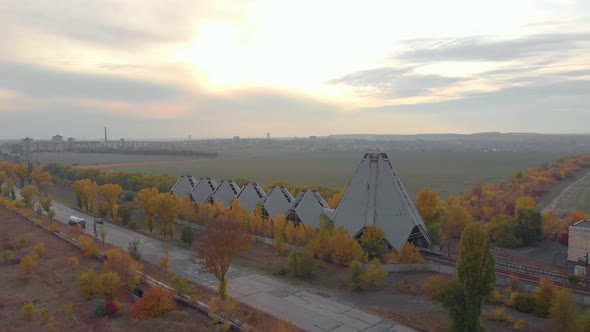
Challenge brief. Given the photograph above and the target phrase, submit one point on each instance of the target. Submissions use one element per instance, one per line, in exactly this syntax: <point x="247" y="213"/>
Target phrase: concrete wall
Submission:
<point x="579" y="243"/>
<point x="431" y="267"/>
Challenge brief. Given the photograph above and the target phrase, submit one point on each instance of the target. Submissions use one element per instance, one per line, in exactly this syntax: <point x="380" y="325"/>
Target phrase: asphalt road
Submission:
<point x="295" y="304"/>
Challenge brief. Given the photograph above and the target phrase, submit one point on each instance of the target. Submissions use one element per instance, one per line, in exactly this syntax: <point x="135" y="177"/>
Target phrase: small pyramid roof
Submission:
<point x="309" y="206"/>
<point x="226" y="192"/>
<point x="203" y="190"/>
<point x="250" y="196"/>
<point x="278" y="200"/>
<point x="184" y="186"/>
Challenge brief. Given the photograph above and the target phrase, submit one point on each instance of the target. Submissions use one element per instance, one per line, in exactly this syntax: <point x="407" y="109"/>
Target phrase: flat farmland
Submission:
<point x="448" y="173"/>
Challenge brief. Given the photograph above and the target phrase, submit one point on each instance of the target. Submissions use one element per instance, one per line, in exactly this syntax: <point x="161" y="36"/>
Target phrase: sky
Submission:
<point x="220" y="68"/>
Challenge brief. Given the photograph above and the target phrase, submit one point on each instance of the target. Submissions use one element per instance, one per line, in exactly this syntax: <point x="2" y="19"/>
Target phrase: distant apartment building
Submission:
<point x="579" y="241"/>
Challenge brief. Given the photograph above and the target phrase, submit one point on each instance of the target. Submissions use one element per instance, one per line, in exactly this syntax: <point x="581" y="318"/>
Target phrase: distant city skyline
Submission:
<point x="218" y="69"/>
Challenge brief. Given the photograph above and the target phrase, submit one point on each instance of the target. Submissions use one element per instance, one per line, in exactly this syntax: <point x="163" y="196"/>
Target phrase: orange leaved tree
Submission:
<point x="146" y="198"/>
<point x="110" y="192"/>
<point x="222" y="241"/>
<point x="154" y="302"/>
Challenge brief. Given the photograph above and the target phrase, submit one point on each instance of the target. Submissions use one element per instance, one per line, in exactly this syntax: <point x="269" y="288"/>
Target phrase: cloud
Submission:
<point x="391" y="83"/>
<point x="39" y="82"/>
<point x="491" y="49"/>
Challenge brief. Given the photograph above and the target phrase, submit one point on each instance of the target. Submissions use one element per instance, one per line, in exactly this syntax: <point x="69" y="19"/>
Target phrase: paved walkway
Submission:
<point x="292" y="303"/>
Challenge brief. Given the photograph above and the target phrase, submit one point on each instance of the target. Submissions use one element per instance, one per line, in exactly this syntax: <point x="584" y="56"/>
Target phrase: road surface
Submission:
<point x="295" y="304"/>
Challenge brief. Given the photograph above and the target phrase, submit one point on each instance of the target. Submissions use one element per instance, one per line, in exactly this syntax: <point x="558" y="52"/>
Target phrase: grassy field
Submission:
<point x="448" y="173"/>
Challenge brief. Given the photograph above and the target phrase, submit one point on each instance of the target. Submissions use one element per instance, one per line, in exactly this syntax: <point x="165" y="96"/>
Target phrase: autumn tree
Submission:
<point x="154" y="302"/>
<point x="107" y="284"/>
<point x="110" y="193"/>
<point x="219" y="245"/>
<point x="576" y="216"/>
<point x="346" y="249"/>
<point x="188" y="235"/>
<point x="524" y="202"/>
<point x="408" y="255"/>
<point x="86" y="191"/>
<point x="28" y="263"/>
<point x="21" y="171"/>
<point x="87" y="282"/>
<point x="476" y="279"/>
<point x="42" y="179"/>
<point x="146" y="198"/>
<point x="544" y="295"/>
<point x="290" y="232"/>
<point x="428" y="205"/>
<point x="334" y="201"/>
<point x="103" y="235"/>
<point x="551" y="224"/>
<point x="373" y="241"/>
<point x="279" y="224"/>
<point x="167" y="207"/>
<point x="458" y="218"/>
<point x="563" y="312"/>
<point x="28" y="194"/>
<point x="165" y="261"/>
<point x="528" y="226"/>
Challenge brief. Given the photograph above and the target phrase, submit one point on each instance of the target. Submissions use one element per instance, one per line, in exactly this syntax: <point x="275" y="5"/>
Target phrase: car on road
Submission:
<point x="100" y="221"/>
<point x="77" y="221"/>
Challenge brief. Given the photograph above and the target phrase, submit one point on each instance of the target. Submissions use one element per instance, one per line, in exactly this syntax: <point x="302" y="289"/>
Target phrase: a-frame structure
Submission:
<point x="376" y="196"/>
<point x="308" y="208"/>
<point x="203" y="190"/>
<point x="278" y="200"/>
<point x="250" y="196"/>
<point x="225" y="192"/>
<point x="184" y="186"/>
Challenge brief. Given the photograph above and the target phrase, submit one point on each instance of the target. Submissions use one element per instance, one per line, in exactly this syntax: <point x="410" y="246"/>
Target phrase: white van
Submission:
<point x="77" y="221"/>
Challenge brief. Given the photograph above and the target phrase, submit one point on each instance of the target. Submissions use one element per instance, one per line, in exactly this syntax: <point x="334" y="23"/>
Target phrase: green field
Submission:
<point x="448" y="173"/>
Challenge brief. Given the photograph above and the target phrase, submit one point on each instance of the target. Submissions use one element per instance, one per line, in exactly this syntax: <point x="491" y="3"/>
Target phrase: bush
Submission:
<point x="28" y="263"/>
<point x="544" y="296"/>
<point x="68" y="309"/>
<point x="373" y="241"/>
<point x="494" y="297"/>
<point x="111" y="309"/>
<point x="499" y="315"/>
<point x="91" y="250"/>
<point x="519" y="325"/>
<point x="180" y="285"/>
<point x="279" y="245"/>
<point x="73" y="261"/>
<point x="300" y="264"/>
<point x="346" y="249"/>
<point x="99" y="308"/>
<point x="188" y="235"/>
<point x="6" y="256"/>
<point x="154" y="302"/>
<point x="513" y="282"/>
<point x="39" y="249"/>
<point x="355" y="273"/>
<point x="44" y="315"/>
<point x="374" y="276"/>
<point x="133" y="248"/>
<point x="128" y="196"/>
<point x="22" y="241"/>
<point x="108" y="283"/>
<point x="27" y="311"/>
<point x="87" y="282"/>
<point x="523" y="302"/>
<point x="51" y="324"/>
<point x="435" y="285"/>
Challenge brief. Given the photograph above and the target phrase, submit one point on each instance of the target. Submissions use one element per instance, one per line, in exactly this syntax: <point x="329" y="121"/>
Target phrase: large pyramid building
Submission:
<point x="376" y="197"/>
<point x="184" y="186"/>
<point x="225" y="192"/>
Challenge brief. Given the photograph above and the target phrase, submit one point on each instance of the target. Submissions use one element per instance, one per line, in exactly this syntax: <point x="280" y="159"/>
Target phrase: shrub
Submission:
<point x="28" y="263"/>
<point x="73" y="261"/>
<point x="513" y="282"/>
<point x="292" y="262"/>
<point x="188" y="235"/>
<point x="563" y="311"/>
<point x="544" y="296"/>
<point x="290" y="232"/>
<point x="300" y="235"/>
<point x="99" y="308"/>
<point x="372" y="241"/>
<point x="87" y="281"/>
<point x="53" y="227"/>
<point x="154" y="302"/>
<point x="519" y="325"/>
<point x="499" y="315"/>
<point x="494" y="297"/>
<point x="128" y="196"/>
<point x="27" y="311"/>
<point x="574" y="280"/>
<point x="435" y="285"/>
<point x="108" y="283"/>
<point x="133" y="248"/>
<point x="279" y="245"/>
<point x="39" y="249"/>
<point x="68" y="309"/>
<point x="346" y="249"/>
<point x="22" y="241"/>
<point x="111" y="309"/>
<point x="355" y="273"/>
<point x="523" y="302"/>
<point x="300" y="264"/>
<point x="91" y="250"/>
<point x="44" y="315"/>
<point x="51" y="324"/>
<point x="408" y="255"/>
<point x="374" y="276"/>
<point x="6" y="256"/>
<point x="180" y="285"/>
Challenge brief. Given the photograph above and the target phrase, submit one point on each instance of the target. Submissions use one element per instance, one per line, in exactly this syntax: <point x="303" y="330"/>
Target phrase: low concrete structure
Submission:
<point x="579" y="241"/>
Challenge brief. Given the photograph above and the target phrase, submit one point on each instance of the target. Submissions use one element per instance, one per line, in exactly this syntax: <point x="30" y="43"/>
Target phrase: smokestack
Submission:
<point x="105" y="134"/>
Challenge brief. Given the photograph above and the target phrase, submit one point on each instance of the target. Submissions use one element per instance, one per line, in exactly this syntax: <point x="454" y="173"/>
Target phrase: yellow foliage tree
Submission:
<point x="42" y="179"/>
<point x="551" y="224"/>
<point x="300" y="235"/>
<point x="346" y="249"/>
<point x="146" y="198"/>
<point x="124" y="266"/>
<point x="268" y="228"/>
<point x="168" y="206"/>
<point x="165" y="261"/>
<point x="110" y="193"/>
<point x="39" y="249"/>
<point x="524" y="202"/>
<point x="28" y="194"/>
<point x="90" y="248"/>
<point x="408" y="255"/>
<point x="86" y="190"/>
<point x="28" y="263"/>
<point x="279" y="224"/>
<point x="458" y="217"/>
<point x="290" y="232"/>
<point x="334" y="201"/>
<point x="427" y="203"/>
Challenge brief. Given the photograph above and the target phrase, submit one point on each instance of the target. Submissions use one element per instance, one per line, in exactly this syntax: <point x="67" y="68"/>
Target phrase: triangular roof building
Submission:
<point x="278" y="200"/>
<point x="184" y="186"/>
<point x="203" y="190"/>
<point x="250" y="196"/>
<point x="308" y="208"/>
<point x="376" y="196"/>
<point x="225" y="192"/>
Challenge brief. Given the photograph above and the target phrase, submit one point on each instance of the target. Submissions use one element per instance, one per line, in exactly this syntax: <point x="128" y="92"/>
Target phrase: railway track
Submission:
<point x="524" y="273"/>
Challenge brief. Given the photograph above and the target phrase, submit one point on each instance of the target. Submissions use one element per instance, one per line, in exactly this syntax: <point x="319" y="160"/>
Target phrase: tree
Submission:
<point x="551" y="224"/>
<point x="154" y="302"/>
<point x="355" y="273"/>
<point x="28" y="310"/>
<point x="42" y="179"/>
<point x="165" y="261"/>
<point x="86" y="191"/>
<point x="188" y="235"/>
<point x="45" y="201"/>
<point x="21" y="171"/>
<point x="146" y="198"/>
<point x="290" y="232"/>
<point x="124" y="266"/>
<point x="346" y="249"/>
<point x="374" y="276"/>
<point x="279" y="224"/>
<point x="133" y="248"/>
<point x="108" y="283"/>
<point x="576" y="216"/>
<point x="87" y="282"/>
<point x="528" y="226"/>
<point x="219" y="245"/>
<point x="300" y="234"/>
<point x="476" y="279"/>
<point x="427" y="203"/>
<point x="126" y="213"/>
<point x="524" y="202"/>
<point x="563" y="312"/>
<point x="279" y="245"/>
<point x="103" y="235"/>
<point x="28" y="263"/>
<point x="110" y="193"/>
<point x="180" y="285"/>
<point x="408" y="255"/>
<point x="373" y="241"/>
<point x="334" y="201"/>
<point x="167" y="206"/>
<point x="28" y="194"/>
<point x="457" y="220"/>
<point x="543" y="297"/>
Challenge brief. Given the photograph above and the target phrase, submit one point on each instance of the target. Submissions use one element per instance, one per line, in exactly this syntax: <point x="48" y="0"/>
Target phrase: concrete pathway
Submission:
<point x="295" y="304"/>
